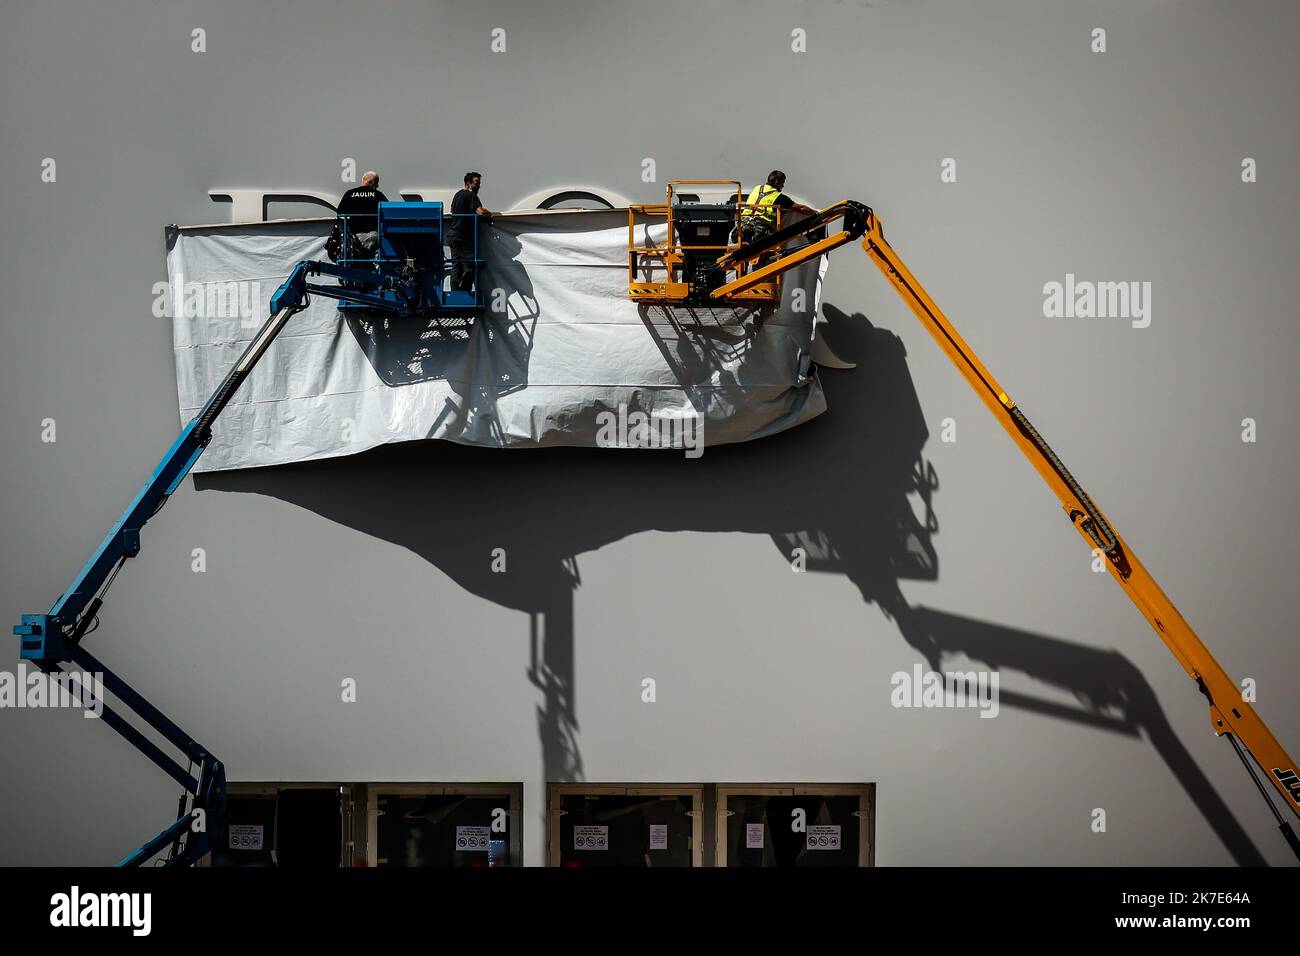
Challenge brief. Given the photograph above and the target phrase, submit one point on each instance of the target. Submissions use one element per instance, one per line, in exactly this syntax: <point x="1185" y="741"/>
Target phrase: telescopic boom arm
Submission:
<point x="1230" y="715"/>
<point x="53" y="639"/>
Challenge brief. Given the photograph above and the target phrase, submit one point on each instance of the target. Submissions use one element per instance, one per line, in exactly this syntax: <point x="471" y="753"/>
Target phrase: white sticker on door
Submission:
<point x="824" y="838"/>
<point x="472" y="839"/>
<point x="658" y="836"/>
<point x="753" y="836"/>
<point x="245" y="836"/>
<point x="591" y="838"/>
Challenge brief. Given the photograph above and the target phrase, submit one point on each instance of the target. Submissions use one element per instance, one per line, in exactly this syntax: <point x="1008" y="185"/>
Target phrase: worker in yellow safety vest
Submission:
<point x="758" y="217"/>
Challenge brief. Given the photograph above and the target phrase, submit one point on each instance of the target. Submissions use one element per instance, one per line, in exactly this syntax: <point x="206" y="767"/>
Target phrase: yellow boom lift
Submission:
<point x="703" y="260"/>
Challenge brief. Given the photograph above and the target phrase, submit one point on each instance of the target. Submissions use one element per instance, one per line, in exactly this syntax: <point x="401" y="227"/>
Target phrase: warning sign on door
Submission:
<point x="824" y="838"/>
<point x="470" y="839"/>
<point x="753" y="836"/>
<point x="591" y="838"/>
<point x="245" y="836"/>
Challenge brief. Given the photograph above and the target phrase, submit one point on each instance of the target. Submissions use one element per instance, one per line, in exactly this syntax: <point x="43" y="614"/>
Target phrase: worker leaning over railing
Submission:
<point x="461" y="231"/>
<point x="758" y="216"/>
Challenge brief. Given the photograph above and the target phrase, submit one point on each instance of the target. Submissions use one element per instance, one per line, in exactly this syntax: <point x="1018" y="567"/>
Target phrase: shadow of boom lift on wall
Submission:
<point x="565" y="502"/>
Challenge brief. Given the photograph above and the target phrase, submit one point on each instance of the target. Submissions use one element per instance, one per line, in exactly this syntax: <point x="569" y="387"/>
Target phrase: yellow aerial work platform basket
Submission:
<point x="686" y="269"/>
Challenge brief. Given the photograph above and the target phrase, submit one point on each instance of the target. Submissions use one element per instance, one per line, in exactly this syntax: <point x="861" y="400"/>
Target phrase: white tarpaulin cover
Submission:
<point x="564" y="352"/>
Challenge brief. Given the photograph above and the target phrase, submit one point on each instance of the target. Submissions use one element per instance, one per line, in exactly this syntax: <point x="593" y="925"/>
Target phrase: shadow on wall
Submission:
<point x="461" y="350"/>
<point x="850" y="488"/>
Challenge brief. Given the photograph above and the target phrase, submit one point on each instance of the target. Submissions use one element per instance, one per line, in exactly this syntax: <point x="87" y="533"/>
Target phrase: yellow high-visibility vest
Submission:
<point x="764" y="197"/>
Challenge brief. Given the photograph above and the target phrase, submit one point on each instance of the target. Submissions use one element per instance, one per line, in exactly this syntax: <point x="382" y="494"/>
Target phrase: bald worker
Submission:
<point x="361" y="205"/>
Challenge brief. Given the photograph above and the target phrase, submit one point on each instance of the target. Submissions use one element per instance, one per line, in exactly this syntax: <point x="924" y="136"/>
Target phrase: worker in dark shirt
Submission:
<point x="461" y="231"/>
<point x="361" y="206"/>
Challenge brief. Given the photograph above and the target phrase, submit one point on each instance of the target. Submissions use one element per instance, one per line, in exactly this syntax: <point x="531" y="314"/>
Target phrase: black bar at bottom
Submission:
<point x="899" y="909"/>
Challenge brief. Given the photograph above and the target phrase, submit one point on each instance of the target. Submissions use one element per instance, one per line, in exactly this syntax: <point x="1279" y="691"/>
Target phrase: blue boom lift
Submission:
<point x="406" y="278"/>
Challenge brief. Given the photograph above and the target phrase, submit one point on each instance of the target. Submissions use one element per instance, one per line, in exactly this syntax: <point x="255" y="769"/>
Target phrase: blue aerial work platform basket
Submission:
<point x="411" y="237"/>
